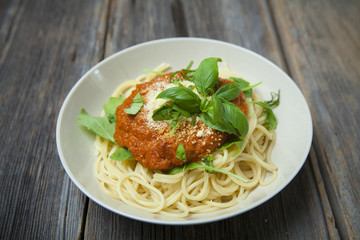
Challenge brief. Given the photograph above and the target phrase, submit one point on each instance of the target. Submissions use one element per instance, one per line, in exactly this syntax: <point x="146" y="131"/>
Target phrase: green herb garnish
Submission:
<point x="193" y="165"/>
<point x="270" y="119"/>
<point x="122" y="154"/>
<point x="181" y="153"/>
<point x="110" y="107"/>
<point x="183" y="97"/>
<point x="207" y="76"/>
<point x="136" y="105"/>
<point x="99" y="125"/>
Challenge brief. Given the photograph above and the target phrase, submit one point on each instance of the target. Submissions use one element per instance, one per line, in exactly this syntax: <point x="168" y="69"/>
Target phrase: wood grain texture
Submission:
<point x="322" y="45"/>
<point x="253" y="29"/>
<point x="48" y="46"/>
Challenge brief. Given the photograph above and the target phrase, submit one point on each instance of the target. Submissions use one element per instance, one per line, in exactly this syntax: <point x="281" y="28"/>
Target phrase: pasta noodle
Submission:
<point x="195" y="191"/>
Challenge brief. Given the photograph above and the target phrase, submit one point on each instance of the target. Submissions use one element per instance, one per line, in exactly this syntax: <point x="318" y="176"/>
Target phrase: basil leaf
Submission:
<point x="162" y="113"/>
<point x="181" y="153"/>
<point x="236" y="117"/>
<point x="181" y="110"/>
<point x="122" y="154"/>
<point x="173" y="75"/>
<point x="232" y="121"/>
<point x="243" y="84"/>
<point x="231" y="142"/>
<point x="183" y="97"/>
<point x="207" y="75"/>
<point x="229" y="91"/>
<point x="270" y="119"/>
<point x="110" y="107"/>
<point x="191" y="166"/>
<point x="98" y="125"/>
<point x="136" y="105"/>
<point x="213" y="108"/>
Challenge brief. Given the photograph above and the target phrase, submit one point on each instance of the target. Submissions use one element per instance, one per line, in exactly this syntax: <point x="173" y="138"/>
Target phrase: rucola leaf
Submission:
<point x="98" y="125"/>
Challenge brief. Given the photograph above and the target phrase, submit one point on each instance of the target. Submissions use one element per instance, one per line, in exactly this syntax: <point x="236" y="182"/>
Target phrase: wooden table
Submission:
<point x="46" y="46"/>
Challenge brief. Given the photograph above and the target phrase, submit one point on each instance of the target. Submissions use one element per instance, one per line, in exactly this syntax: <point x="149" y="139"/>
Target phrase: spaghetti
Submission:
<point x="195" y="191"/>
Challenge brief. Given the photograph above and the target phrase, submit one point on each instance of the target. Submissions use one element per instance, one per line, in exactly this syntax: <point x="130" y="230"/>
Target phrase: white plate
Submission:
<point x="76" y="146"/>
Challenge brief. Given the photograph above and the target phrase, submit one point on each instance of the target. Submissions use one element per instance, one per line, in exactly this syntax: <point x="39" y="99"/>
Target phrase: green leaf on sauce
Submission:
<point x="181" y="153"/>
<point x="98" y="125"/>
<point x="183" y="97"/>
<point x="207" y="75"/>
<point x="136" y="105"/>
<point x="229" y="91"/>
<point x="110" y="107"/>
<point x="122" y="154"/>
<point x="242" y="84"/>
<point x="193" y="165"/>
<point x="233" y="120"/>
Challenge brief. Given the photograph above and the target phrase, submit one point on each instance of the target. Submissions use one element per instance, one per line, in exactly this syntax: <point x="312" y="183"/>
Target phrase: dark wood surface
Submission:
<point x="46" y="46"/>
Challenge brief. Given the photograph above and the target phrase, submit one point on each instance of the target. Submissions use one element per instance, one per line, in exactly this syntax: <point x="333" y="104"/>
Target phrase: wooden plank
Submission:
<point x="131" y="22"/>
<point x="248" y="24"/>
<point x="48" y="46"/>
<point x="322" y="45"/>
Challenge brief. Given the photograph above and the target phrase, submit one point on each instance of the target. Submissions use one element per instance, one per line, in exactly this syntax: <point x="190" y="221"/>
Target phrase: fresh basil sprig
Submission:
<point x="135" y="106"/>
<point x="183" y="97"/>
<point x="232" y="121"/>
<point x="207" y="76"/>
<point x="217" y="112"/>
<point x="229" y="91"/>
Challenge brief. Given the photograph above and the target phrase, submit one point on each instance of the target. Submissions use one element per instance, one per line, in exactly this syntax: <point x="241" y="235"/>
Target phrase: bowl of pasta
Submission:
<point x="183" y="131"/>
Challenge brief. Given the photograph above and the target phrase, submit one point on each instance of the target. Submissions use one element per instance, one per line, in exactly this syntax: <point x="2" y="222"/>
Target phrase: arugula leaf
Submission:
<point x="136" y="105"/>
<point x="98" y="125"/>
<point x="181" y="153"/>
<point x="182" y="96"/>
<point x="110" y="107"/>
<point x="242" y="84"/>
<point x="275" y="99"/>
<point x="189" y="65"/>
<point x="193" y="165"/>
<point x="206" y="75"/>
<point x="229" y="91"/>
<point x="270" y="118"/>
<point x="122" y="154"/>
<point x="208" y="160"/>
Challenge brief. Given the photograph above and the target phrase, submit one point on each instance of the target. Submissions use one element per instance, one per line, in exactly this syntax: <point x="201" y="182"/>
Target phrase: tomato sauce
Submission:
<point x="153" y="144"/>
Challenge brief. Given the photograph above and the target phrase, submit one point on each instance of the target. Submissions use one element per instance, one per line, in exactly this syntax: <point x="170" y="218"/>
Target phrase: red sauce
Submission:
<point x="155" y="147"/>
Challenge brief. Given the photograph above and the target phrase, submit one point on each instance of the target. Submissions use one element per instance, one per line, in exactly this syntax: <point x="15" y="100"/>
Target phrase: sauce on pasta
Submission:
<point x="152" y="143"/>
